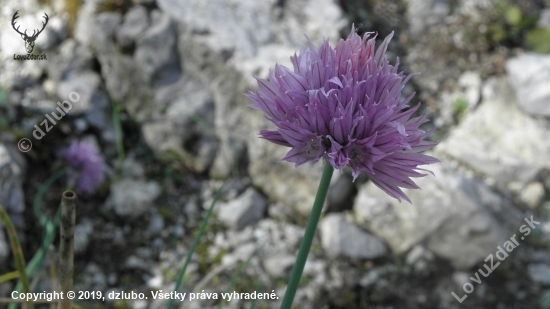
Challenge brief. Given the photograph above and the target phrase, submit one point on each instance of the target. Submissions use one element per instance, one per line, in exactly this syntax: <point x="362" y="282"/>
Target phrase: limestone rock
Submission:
<point x="457" y="216"/>
<point x="248" y="208"/>
<point x="529" y="76"/>
<point x="132" y="198"/>
<point x="341" y="238"/>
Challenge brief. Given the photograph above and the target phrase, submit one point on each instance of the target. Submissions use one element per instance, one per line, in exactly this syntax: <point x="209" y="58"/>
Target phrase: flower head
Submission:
<point x="86" y="163"/>
<point x="345" y="104"/>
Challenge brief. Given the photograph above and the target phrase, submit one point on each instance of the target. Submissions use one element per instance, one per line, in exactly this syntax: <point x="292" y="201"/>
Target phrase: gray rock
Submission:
<point x="544" y="19"/>
<point x="82" y="233"/>
<point x="529" y="75"/>
<point x="279" y="265"/>
<point x="136" y="21"/>
<point x="470" y="84"/>
<point x="369" y="278"/>
<point x="341" y="238"/>
<point x="232" y="239"/>
<point x="240" y="254"/>
<point x="156" y="225"/>
<point x="340" y="194"/>
<point x="100" y="115"/>
<point x="126" y="83"/>
<point x="248" y="208"/>
<point x="419" y="258"/>
<point x="156" y="49"/>
<point x="56" y="31"/>
<point x="182" y="122"/>
<point x="270" y="236"/>
<point x="225" y="43"/>
<point x="36" y="99"/>
<point x="230" y="153"/>
<point x="71" y="57"/>
<point x="96" y="30"/>
<point x="426" y="13"/>
<point x="539" y="273"/>
<point x="132" y="198"/>
<point x="458" y="217"/>
<point x="509" y="146"/>
<point x="86" y="84"/>
<point x="533" y="194"/>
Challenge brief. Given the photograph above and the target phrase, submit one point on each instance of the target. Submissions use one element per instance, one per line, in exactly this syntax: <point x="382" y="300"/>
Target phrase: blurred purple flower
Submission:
<point x="346" y="103"/>
<point x="86" y="163"/>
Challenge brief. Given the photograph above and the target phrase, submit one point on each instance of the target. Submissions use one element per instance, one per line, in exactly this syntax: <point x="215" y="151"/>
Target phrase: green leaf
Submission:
<point x="512" y="15"/>
<point x="538" y="40"/>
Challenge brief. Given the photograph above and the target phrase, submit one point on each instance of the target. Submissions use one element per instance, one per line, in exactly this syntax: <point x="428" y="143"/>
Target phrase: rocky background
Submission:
<point x="173" y="74"/>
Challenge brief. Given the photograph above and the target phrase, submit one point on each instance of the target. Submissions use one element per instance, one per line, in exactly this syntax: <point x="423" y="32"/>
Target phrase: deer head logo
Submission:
<point x="29" y="40"/>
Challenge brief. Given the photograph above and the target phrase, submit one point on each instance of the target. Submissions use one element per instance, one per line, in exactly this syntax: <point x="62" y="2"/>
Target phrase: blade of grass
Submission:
<point x="194" y="246"/>
<point x="41" y="190"/>
<point x="17" y="252"/>
<point x="9" y="276"/>
<point x="255" y="301"/>
<point x="35" y="264"/>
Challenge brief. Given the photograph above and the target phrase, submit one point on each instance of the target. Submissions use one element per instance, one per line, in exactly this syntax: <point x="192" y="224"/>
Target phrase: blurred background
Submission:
<point x="161" y="84"/>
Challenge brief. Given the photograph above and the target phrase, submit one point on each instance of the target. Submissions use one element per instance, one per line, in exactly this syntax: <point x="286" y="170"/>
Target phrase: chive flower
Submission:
<point x="86" y="164"/>
<point x="345" y="104"/>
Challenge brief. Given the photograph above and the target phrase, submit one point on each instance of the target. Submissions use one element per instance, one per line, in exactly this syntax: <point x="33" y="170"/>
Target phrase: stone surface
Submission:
<point x="85" y="83"/>
<point x="457" y="216"/>
<point x="156" y="50"/>
<point x="227" y="43"/>
<point x="426" y="13"/>
<point x="341" y="238"/>
<point x="544" y="19"/>
<point x="529" y="76"/>
<point x="470" y="85"/>
<point x="246" y="209"/>
<point x="82" y="233"/>
<point x="182" y="123"/>
<point x="71" y="57"/>
<point x="340" y="194"/>
<point x="539" y="273"/>
<point x="508" y="145"/>
<point x="132" y="198"/>
<point x="279" y="265"/>
<point x="136" y="21"/>
<point x="533" y="194"/>
<point x="419" y="258"/>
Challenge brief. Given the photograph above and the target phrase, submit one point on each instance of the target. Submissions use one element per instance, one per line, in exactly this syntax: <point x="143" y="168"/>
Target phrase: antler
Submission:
<point x="13" y="23"/>
<point x="43" y="26"/>
<point x="34" y="34"/>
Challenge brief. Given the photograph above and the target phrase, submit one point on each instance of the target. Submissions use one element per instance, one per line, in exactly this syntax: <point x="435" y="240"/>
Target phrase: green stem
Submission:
<point x="194" y="246"/>
<point x="301" y="259"/>
<point x="17" y="252"/>
<point x="43" y="189"/>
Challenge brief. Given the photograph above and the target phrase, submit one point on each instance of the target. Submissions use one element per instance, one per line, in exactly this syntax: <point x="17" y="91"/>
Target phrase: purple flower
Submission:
<point x="86" y="163"/>
<point x="345" y="104"/>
